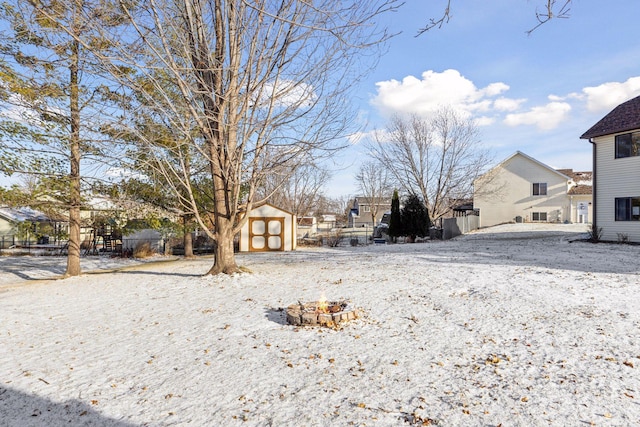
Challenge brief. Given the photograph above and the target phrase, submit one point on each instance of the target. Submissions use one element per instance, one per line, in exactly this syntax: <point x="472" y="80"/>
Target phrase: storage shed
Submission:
<point x="268" y="228"/>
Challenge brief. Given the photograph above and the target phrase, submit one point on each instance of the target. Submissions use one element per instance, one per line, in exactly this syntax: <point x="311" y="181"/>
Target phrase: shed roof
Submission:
<point x="624" y="117"/>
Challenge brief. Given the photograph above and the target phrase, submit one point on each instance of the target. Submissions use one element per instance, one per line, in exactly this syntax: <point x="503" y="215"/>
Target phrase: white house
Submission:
<point x="40" y="223"/>
<point x="523" y="189"/>
<point x="616" y="171"/>
<point x="268" y="228"/>
<point x="307" y="227"/>
<point x="327" y="223"/>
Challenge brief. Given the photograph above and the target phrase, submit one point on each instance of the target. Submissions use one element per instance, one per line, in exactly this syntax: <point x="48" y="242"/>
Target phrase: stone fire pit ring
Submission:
<point x="309" y="314"/>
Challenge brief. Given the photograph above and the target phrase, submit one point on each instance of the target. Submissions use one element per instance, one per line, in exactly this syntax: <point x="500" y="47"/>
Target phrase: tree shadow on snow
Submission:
<point x="277" y="315"/>
<point x="152" y="273"/>
<point x="35" y="272"/>
<point x="21" y="409"/>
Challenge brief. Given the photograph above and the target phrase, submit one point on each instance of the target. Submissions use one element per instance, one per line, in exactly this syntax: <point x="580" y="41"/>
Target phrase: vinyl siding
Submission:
<point x="6" y="227"/>
<point x="615" y="178"/>
<point x="507" y="191"/>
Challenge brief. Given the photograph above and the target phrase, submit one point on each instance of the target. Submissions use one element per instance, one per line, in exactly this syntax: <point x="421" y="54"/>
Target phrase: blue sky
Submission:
<point x="533" y="93"/>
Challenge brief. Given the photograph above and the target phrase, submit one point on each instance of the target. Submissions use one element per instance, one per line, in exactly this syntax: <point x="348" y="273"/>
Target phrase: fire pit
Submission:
<point x="321" y="313"/>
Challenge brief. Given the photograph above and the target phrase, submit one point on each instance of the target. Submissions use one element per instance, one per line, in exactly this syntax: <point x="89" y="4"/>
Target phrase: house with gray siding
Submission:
<point x="361" y="214"/>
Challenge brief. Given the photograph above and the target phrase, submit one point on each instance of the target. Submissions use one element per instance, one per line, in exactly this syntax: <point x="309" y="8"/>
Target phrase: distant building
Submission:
<point x="327" y="223"/>
<point x="361" y="212"/>
<point x="42" y="227"/>
<point x="307" y="226"/>
<point x="523" y="189"/>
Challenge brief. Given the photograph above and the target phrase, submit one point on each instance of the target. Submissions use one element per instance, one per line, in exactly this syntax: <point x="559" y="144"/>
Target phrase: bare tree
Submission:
<point x="339" y="206"/>
<point x="264" y="85"/>
<point x="374" y="183"/>
<point x="437" y="158"/>
<point x="298" y="192"/>
<point x="551" y="9"/>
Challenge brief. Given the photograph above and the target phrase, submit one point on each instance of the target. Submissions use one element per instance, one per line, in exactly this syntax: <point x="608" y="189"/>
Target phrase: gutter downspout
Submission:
<point x="593" y="186"/>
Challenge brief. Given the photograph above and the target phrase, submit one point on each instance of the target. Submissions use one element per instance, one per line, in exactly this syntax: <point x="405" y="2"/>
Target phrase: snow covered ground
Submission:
<point x="516" y="325"/>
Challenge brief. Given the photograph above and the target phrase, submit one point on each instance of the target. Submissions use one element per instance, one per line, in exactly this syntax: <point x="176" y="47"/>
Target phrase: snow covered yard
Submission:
<point x="514" y="325"/>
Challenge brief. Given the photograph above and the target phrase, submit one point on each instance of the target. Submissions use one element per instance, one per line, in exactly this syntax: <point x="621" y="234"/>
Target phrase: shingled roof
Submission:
<point x="624" y="117"/>
<point x="580" y="190"/>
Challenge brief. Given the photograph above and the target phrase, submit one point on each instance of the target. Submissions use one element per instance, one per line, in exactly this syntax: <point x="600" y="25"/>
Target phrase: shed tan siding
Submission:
<point x="615" y="178"/>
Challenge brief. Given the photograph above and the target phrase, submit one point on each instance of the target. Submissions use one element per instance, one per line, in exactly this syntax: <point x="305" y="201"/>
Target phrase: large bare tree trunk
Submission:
<point x="188" y="237"/>
<point x="225" y="261"/>
<point x="73" y="257"/>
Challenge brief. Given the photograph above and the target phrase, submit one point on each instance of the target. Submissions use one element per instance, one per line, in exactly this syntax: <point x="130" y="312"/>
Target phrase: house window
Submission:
<point x="366" y="209"/>
<point x="539" y="216"/>
<point x="628" y="209"/>
<point x="539" y="188"/>
<point x="628" y="145"/>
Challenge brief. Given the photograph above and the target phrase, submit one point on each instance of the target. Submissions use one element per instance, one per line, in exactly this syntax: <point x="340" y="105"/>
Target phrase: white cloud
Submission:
<point x="484" y="121"/>
<point x="356" y="137"/>
<point x="433" y="90"/>
<point x="557" y="98"/>
<point x="287" y="93"/>
<point x="545" y="117"/>
<point x="507" y="104"/>
<point x="495" y="89"/>
<point x="372" y="135"/>
<point x="607" y="96"/>
<point x="488" y="105"/>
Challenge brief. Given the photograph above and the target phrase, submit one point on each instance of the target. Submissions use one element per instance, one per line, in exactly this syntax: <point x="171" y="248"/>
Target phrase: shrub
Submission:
<point x="143" y="250"/>
<point x="415" y="218"/>
<point x="623" y="238"/>
<point x="595" y="233"/>
<point x="335" y="238"/>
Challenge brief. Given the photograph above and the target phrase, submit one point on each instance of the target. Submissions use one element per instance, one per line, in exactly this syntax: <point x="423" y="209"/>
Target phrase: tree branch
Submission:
<point x="549" y="13"/>
<point x="433" y="23"/>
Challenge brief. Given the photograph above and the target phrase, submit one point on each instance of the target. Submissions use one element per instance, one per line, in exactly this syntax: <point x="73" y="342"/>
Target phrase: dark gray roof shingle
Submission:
<point x="624" y="117"/>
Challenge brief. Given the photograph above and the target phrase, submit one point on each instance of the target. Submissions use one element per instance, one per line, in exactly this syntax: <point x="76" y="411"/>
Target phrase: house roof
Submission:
<point x="23" y="214"/>
<point x="578" y="177"/>
<point x="580" y="190"/>
<point x="520" y="153"/>
<point x="306" y="221"/>
<point x="624" y="117"/>
<point x="373" y="200"/>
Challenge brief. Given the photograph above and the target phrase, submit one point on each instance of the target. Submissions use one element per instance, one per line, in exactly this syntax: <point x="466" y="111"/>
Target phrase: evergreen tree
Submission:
<point x="395" y="222"/>
<point x="51" y="99"/>
<point x="415" y="218"/>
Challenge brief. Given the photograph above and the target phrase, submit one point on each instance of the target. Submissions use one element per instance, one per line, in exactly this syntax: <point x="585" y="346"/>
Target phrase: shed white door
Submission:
<point x="266" y="234"/>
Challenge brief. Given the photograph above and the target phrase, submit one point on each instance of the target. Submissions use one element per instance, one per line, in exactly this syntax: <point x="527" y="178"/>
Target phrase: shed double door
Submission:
<point x="266" y="234"/>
